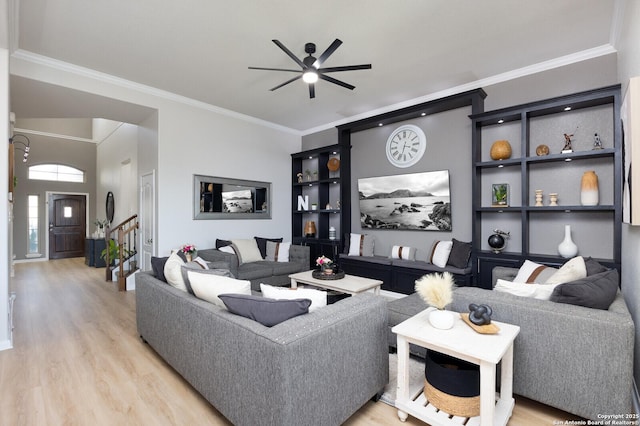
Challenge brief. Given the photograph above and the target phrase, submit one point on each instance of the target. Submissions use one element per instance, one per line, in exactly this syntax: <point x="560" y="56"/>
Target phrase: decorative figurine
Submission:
<point x="597" y="142"/>
<point x="567" y="144"/>
<point x="553" y="199"/>
<point x="480" y="314"/>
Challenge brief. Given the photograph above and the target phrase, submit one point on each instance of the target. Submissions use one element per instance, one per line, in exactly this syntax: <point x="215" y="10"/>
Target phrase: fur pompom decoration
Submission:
<point x="436" y="289"/>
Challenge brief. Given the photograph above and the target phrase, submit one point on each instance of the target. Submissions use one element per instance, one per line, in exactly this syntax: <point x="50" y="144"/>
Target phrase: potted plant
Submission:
<point x="112" y="249"/>
<point x="437" y="291"/>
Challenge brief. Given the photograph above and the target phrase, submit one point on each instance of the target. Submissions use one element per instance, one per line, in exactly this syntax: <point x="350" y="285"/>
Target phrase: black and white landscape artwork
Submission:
<point x="416" y="201"/>
<point x="238" y="201"/>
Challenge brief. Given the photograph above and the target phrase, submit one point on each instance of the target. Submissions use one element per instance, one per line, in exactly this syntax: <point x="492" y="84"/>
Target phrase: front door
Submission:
<point x="67" y="225"/>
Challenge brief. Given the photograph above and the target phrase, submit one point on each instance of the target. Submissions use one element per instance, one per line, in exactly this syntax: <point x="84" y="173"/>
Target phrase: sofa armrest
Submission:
<point x="300" y="254"/>
<point x="215" y="255"/>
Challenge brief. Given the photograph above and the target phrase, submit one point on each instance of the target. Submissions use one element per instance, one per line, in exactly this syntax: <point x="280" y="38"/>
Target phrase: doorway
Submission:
<point x="67" y="218"/>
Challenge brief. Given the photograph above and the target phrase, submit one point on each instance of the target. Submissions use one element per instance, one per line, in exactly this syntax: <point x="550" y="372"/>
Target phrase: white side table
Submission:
<point x="485" y="350"/>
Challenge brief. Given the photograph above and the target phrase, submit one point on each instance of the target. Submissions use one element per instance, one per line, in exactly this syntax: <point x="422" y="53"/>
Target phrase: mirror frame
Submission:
<point x="198" y="180"/>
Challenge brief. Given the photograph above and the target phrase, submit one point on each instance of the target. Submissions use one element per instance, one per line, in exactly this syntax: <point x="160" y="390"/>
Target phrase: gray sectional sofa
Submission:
<point x="577" y="359"/>
<point x="264" y="271"/>
<point x="315" y="369"/>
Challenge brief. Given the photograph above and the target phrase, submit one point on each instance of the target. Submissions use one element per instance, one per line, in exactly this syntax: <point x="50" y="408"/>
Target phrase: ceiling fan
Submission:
<point x="310" y="70"/>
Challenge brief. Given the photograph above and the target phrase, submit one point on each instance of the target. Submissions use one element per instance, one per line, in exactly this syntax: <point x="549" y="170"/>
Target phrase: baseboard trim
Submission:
<point x="635" y="397"/>
<point x="5" y="344"/>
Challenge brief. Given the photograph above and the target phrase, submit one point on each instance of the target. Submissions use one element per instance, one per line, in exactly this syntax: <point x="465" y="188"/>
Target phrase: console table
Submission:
<point x="485" y="350"/>
<point x="93" y="248"/>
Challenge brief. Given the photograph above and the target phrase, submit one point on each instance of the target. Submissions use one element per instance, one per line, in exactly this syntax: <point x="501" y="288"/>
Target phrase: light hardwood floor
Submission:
<point x="77" y="360"/>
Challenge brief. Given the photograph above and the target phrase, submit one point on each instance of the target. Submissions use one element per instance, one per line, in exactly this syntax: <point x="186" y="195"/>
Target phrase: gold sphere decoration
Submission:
<point x="500" y="150"/>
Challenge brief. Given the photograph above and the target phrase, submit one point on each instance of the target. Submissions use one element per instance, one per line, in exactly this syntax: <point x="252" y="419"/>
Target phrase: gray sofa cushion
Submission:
<point x="253" y="270"/>
<point x="267" y="312"/>
<point x="282" y="268"/>
<point x="595" y="291"/>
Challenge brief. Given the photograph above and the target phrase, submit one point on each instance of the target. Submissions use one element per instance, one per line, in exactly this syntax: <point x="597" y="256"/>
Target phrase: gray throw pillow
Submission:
<point x="157" y="265"/>
<point x="267" y="312"/>
<point x="460" y="254"/>
<point x="262" y="244"/>
<point x="593" y="266"/>
<point x="195" y="266"/>
<point x="595" y="291"/>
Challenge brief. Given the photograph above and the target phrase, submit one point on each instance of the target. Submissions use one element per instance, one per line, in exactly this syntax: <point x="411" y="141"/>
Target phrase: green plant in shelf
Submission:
<point x="500" y="194"/>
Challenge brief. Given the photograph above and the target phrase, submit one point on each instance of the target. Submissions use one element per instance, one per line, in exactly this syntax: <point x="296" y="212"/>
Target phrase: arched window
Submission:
<point x="56" y="172"/>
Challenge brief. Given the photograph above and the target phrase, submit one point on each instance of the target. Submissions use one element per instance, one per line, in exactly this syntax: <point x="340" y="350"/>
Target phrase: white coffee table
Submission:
<point x="485" y="350"/>
<point x="350" y="284"/>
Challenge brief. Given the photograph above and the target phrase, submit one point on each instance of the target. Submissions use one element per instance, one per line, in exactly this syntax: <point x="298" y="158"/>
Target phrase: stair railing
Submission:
<point x="125" y="236"/>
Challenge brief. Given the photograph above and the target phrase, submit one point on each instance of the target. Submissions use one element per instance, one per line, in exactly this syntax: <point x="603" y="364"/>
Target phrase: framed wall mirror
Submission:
<point x="110" y="206"/>
<point x="225" y="198"/>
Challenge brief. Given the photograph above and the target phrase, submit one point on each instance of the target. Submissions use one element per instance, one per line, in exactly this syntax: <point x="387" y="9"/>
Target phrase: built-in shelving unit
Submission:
<point x="536" y="231"/>
<point x="318" y="195"/>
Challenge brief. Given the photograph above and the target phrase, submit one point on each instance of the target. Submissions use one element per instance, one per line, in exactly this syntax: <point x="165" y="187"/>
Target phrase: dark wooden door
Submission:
<point x="67" y="225"/>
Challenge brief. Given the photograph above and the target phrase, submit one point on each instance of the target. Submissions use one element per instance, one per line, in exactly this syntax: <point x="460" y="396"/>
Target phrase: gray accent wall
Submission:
<point x="448" y="137"/>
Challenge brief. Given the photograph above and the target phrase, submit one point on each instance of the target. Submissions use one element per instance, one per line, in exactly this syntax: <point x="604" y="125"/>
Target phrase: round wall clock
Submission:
<point x="406" y="145"/>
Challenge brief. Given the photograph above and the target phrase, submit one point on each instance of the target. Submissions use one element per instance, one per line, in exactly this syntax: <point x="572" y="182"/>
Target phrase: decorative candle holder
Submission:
<point x="539" y="198"/>
<point x="553" y="199"/>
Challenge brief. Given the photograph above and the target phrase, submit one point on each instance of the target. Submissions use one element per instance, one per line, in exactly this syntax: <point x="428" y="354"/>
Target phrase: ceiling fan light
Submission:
<point x="310" y="77"/>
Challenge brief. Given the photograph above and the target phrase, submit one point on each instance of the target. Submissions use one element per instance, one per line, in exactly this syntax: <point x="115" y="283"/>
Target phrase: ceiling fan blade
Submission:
<point x="286" y="82"/>
<point x="312" y="91"/>
<point x="273" y="69"/>
<point x="338" y="82"/>
<point x="290" y="54"/>
<point x="332" y="48"/>
<point x="346" y="68"/>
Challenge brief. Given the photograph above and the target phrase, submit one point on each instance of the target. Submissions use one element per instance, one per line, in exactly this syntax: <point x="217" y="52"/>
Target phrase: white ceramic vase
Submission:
<point x="441" y="319"/>
<point x="567" y="248"/>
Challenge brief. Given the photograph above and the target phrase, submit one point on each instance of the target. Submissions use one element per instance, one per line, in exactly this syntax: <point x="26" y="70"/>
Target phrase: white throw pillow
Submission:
<point x="440" y="253"/>
<point x="208" y="287"/>
<point x="400" y="252"/>
<point x="173" y="272"/>
<point x="318" y="298"/>
<point x="227" y="249"/>
<point x="536" y="291"/>
<point x="277" y="252"/>
<point x="247" y="251"/>
<point x="361" y="245"/>
<point x="531" y="272"/>
<point x="574" y="269"/>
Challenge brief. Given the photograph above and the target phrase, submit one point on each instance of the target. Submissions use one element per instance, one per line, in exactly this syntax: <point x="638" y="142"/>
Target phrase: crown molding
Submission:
<point x="573" y="58"/>
<point x="54" y="135"/>
<point x="46" y="61"/>
<point x="617" y="22"/>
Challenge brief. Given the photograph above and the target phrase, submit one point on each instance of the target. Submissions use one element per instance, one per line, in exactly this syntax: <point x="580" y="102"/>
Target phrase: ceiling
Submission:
<point x="200" y="49"/>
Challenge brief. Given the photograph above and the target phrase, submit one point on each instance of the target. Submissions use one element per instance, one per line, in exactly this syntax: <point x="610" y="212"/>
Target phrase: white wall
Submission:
<point x="5" y="342"/>
<point x="117" y="171"/>
<point x="629" y="66"/>
<point x="194" y="138"/>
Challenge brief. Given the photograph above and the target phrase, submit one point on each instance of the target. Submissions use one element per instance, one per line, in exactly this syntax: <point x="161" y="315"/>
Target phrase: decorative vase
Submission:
<point x="500" y="150"/>
<point x="567" y="248"/>
<point x="189" y="257"/>
<point x="589" y="189"/>
<point x="441" y="319"/>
